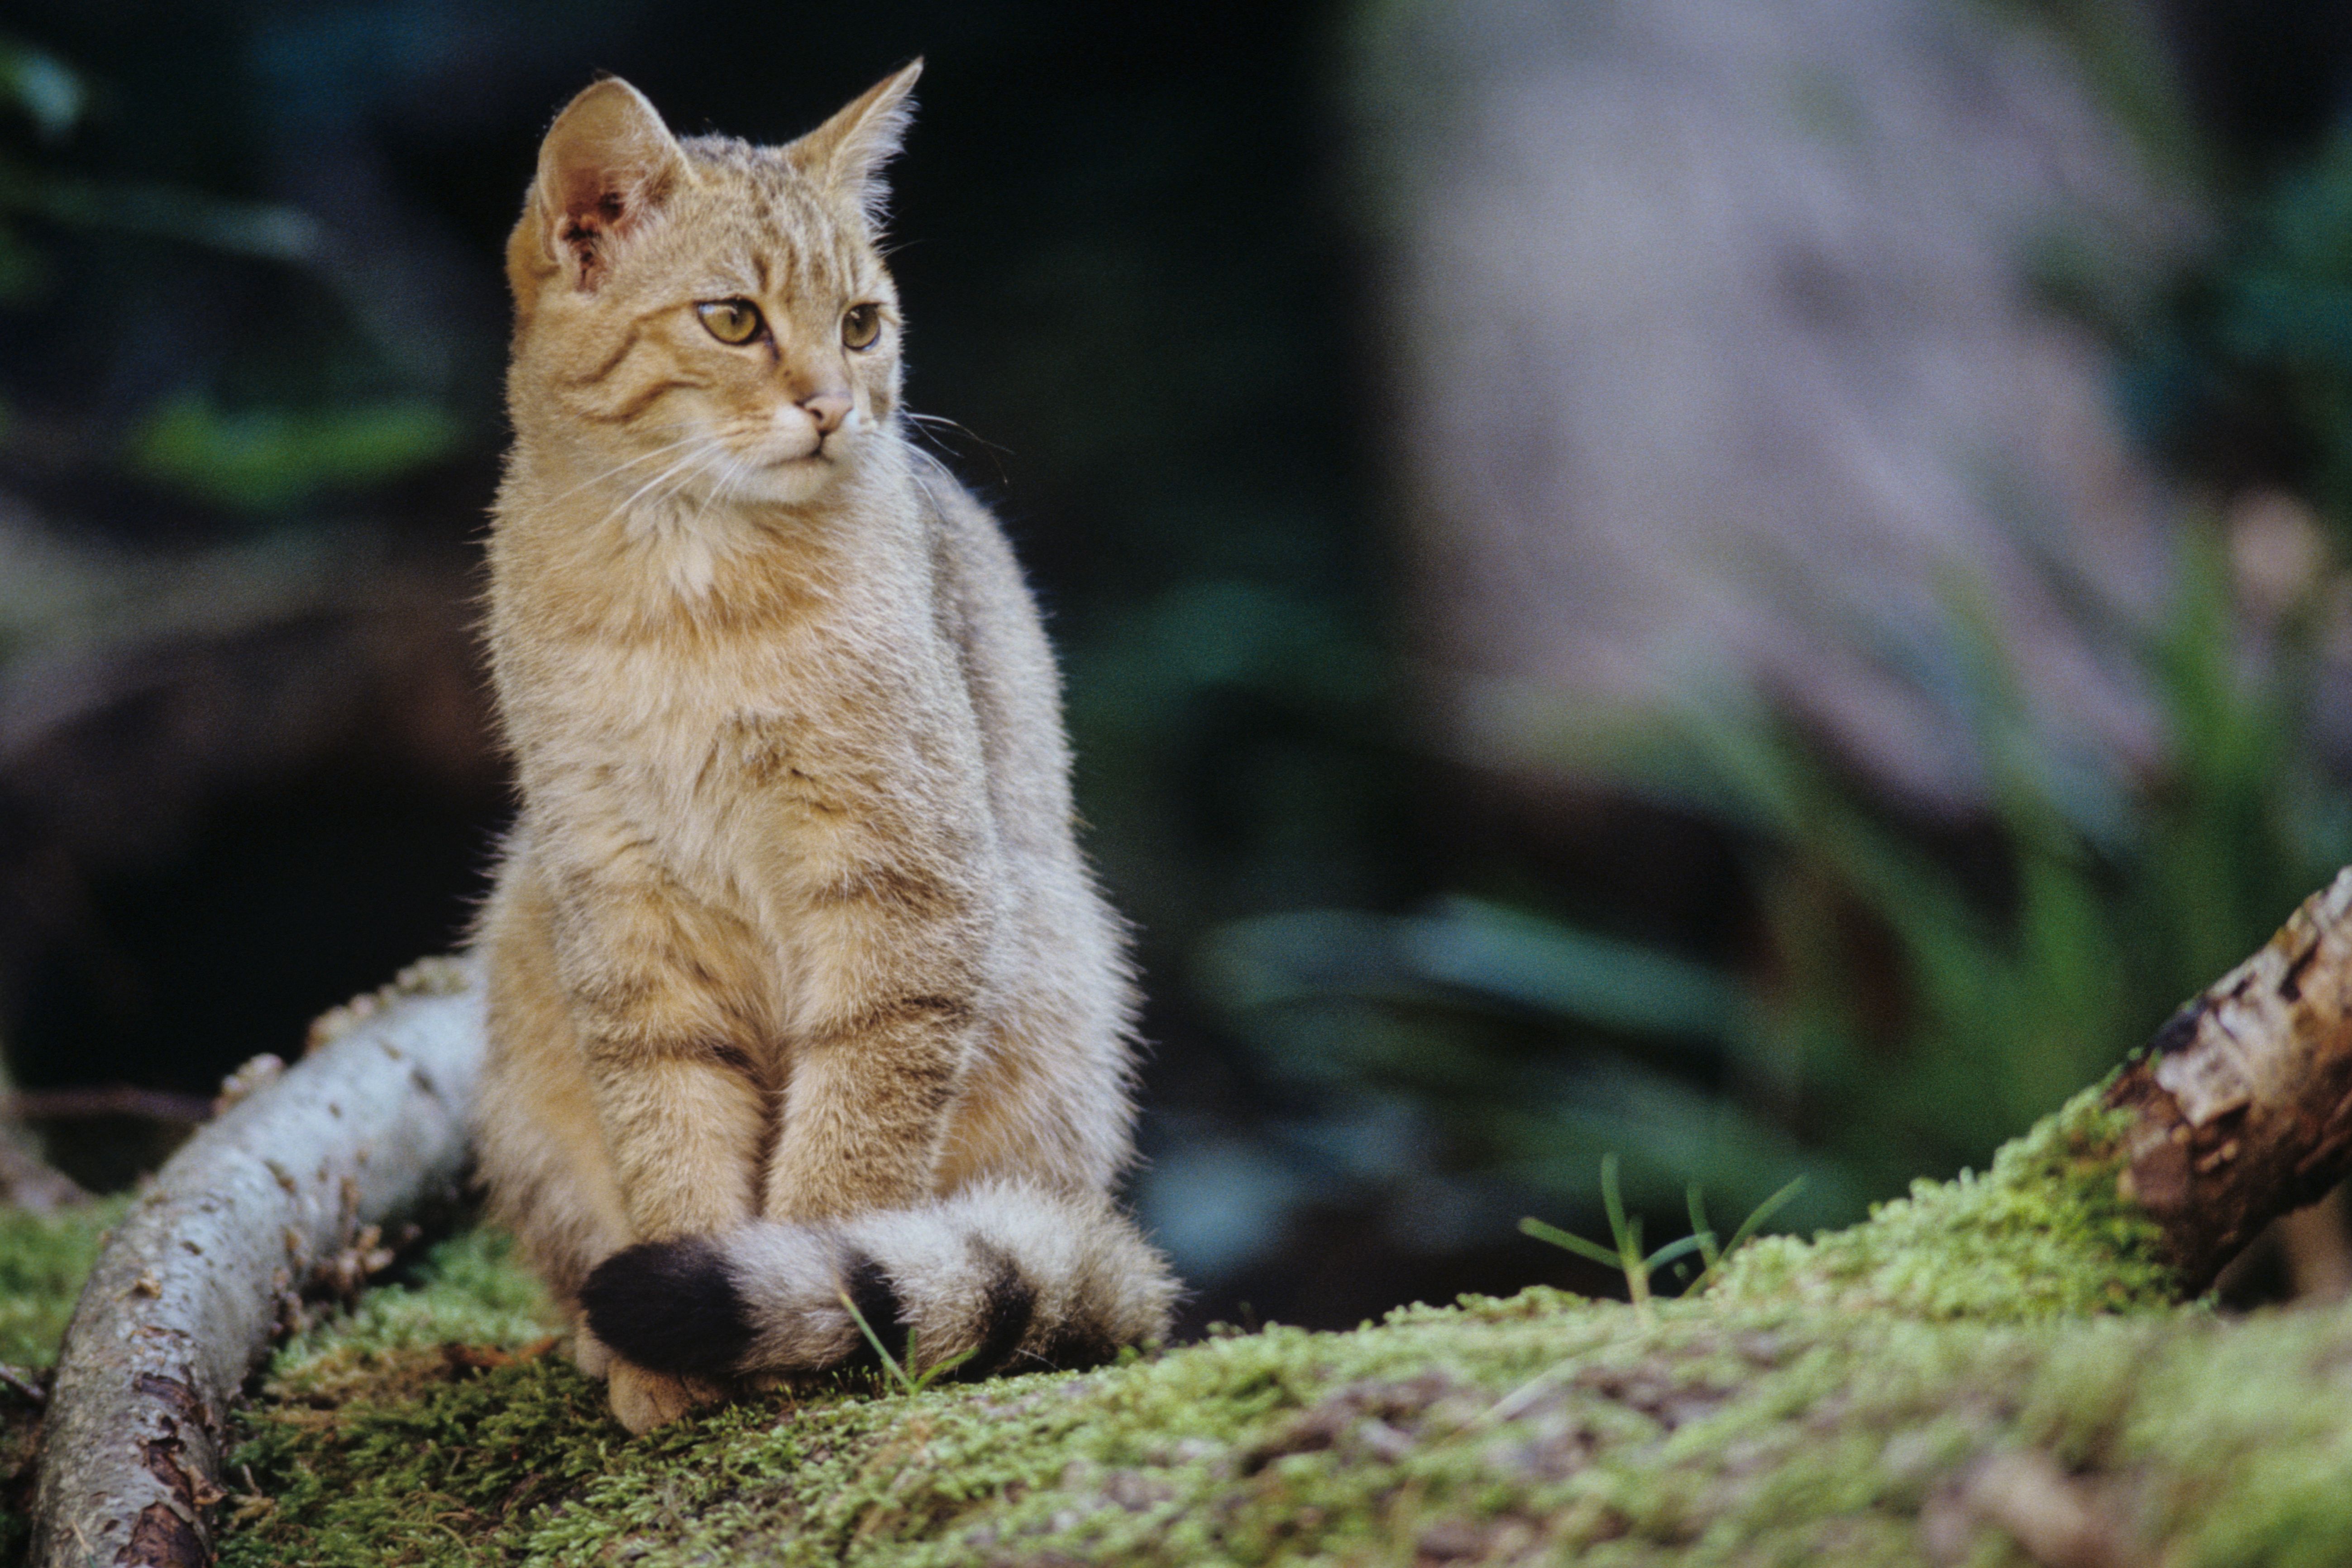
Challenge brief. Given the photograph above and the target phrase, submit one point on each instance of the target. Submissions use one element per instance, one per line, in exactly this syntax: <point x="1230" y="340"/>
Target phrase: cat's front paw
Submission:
<point x="589" y="1354"/>
<point x="643" y="1400"/>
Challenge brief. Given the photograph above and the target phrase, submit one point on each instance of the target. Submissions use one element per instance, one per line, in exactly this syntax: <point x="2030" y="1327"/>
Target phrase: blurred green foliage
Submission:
<point x="269" y="459"/>
<point x="257" y="460"/>
<point x="43" y="1259"/>
<point x="2243" y="372"/>
<point x="1897" y="1015"/>
<point x="37" y="87"/>
<point x="1909" y="992"/>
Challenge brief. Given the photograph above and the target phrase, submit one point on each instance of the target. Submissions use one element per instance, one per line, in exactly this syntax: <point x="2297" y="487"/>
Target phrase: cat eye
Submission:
<point x="731" y="320"/>
<point x="860" y="325"/>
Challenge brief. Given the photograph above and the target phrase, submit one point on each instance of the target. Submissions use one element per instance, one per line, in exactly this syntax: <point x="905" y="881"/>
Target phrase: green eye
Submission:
<point x="731" y="320"/>
<point x="860" y="325"/>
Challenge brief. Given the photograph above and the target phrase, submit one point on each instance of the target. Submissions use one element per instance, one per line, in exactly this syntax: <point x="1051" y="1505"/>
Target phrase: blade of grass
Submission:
<point x="1637" y="1275"/>
<point x="1764" y="1211"/>
<point x="889" y="1362"/>
<point x="1627" y="1234"/>
<point x="933" y="1373"/>
<point x="1673" y="1249"/>
<point x="1592" y="1250"/>
<point x="1701" y="1232"/>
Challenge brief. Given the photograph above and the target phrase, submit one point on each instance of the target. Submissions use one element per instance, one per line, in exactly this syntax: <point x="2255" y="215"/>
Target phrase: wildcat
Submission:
<point x="799" y="994"/>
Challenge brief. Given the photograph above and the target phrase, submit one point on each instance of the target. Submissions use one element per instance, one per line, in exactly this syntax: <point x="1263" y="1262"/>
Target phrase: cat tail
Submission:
<point x="999" y="1276"/>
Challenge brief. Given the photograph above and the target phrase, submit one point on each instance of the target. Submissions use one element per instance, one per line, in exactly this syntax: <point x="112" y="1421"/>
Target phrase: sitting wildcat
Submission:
<point x="799" y="994"/>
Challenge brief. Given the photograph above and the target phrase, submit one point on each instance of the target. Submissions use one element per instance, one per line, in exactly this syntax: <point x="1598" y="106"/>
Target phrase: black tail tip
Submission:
<point x="669" y="1306"/>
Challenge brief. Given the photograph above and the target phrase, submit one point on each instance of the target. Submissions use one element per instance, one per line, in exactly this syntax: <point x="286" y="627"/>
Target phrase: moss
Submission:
<point x="2045" y="1233"/>
<point x="470" y="1293"/>
<point x="2010" y="1314"/>
<point x="1704" y="1433"/>
<point x="44" y="1258"/>
<point x="396" y="1431"/>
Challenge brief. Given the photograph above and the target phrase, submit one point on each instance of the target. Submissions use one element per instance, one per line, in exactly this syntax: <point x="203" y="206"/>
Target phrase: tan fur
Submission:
<point x="792" y="926"/>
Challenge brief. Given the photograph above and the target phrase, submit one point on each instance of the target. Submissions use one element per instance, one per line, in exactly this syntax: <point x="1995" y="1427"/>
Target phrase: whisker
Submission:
<point x="624" y="463"/>
<point x="921" y="427"/>
<point x="727" y="478"/>
<point x="690" y="461"/>
<point x="924" y="485"/>
<point x="926" y="423"/>
<point x="716" y="458"/>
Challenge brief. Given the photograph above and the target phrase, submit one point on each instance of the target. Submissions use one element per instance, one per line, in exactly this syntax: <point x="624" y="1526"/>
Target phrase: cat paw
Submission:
<point x="643" y="1400"/>
<point x="590" y="1355"/>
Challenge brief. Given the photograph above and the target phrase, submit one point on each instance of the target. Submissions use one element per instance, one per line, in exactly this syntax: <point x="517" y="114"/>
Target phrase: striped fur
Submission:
<point x="798" y="984"/>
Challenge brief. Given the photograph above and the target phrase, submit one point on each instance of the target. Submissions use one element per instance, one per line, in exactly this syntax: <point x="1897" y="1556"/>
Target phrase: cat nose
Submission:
<point x="828" y="409"/>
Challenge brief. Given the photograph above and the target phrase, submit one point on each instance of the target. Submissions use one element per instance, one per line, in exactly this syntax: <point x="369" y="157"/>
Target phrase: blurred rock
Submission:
<point x="144" y="693"/>
<point x="133" y="688"/>
<point x="1717" y="357"/>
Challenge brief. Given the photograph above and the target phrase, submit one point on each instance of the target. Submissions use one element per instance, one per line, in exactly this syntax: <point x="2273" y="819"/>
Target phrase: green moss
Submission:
<point x="1826" y="1400"/>
<point x="1524" y="1429"/>
<point x="400" y="1430"/>
<point x="2045" y="1233"/>
<point x="470" y="1292"/>
<point x="44" y="1258"/>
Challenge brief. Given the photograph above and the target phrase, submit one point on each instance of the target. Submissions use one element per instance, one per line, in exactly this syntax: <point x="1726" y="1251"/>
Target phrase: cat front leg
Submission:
<point x="663" y="1009"/>
<point x="684" y="1122"/>
<point x="868" y="1109"/>
<point x="667" y="997"/>
<point x="888" y="999"/>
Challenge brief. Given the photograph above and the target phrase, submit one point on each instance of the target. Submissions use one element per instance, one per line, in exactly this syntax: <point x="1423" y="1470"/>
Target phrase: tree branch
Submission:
<point x="2244" y="1098"/>
<point x="185" y="1295"/>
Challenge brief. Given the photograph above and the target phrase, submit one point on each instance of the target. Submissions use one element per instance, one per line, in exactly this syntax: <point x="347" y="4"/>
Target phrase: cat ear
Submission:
<point x="847" y="151"/>
<point x="607" y="165"/>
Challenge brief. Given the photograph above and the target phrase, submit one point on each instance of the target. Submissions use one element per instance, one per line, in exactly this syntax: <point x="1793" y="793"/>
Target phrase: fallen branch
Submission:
<point x="2244" y="1099"/>
<point x="185" y="1298"/>
<point x="112" y="1099"/>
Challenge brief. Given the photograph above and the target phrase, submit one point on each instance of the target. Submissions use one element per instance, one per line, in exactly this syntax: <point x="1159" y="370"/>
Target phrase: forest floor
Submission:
<point x="1991" y="1371"/>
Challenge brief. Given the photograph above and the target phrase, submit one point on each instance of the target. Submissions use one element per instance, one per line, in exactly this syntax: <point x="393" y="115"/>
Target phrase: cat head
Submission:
<point x="714" y="315"/>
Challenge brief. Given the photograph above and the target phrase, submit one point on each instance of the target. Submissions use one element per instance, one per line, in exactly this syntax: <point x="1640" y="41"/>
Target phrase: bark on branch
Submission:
<point x="2244" y="1099"/>
<point x="185" y="1297"/>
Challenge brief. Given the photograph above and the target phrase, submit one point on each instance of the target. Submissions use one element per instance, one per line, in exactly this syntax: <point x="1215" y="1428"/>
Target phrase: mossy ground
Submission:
<point x="1841" y="1399"/>
<point x="2045" y="1233"/>
<point x="1514" y="1430"/>
<point x="1831" y="1399"/>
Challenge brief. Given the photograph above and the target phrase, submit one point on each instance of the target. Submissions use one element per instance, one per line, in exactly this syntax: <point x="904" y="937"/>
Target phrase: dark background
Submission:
<point x="1138" y="280"/>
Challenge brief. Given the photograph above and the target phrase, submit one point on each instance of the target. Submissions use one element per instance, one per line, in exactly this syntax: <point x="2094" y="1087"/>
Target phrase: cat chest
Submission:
<point x="690" y="760"/>
<point x="726" y="764"/>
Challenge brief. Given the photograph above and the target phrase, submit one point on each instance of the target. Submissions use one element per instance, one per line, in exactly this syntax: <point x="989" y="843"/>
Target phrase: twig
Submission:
<point x="26" y="1382"/>
<point x="82" y="1102"/>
